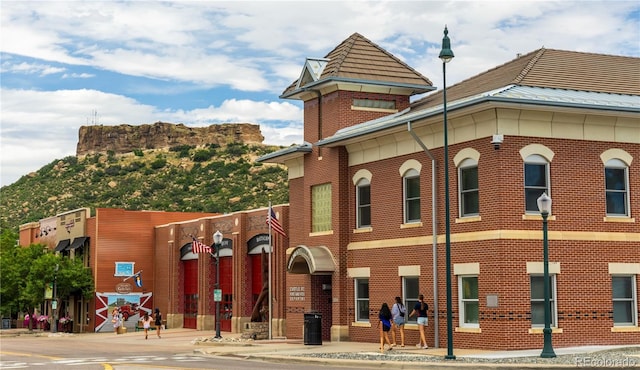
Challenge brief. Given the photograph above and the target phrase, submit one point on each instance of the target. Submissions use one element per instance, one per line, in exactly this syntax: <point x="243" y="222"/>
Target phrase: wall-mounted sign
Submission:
<point x="296" y="293"/>
<point x="123" y="288"/>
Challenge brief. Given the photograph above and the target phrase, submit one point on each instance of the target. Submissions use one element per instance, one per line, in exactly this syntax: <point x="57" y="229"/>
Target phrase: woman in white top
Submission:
<point x="398" y="313"/>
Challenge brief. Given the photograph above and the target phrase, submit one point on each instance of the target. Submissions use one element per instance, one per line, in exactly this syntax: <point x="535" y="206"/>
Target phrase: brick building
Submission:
<point x="368" y="196"/>
<point x="185" y="281"/>
<point x="116" y="244"/>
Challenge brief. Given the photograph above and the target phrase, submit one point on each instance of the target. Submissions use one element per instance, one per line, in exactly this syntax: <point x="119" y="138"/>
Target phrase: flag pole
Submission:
<point x="269" y="269"/>
<point x="129" y="277"/>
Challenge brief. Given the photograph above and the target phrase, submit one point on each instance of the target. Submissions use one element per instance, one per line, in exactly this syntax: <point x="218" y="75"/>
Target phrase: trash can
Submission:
<point x="312" y="328"/>
<point x="6" y="323"/>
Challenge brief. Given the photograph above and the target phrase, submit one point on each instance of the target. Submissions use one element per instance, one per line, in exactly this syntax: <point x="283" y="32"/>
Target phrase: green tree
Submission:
<point x="26" y="271"/>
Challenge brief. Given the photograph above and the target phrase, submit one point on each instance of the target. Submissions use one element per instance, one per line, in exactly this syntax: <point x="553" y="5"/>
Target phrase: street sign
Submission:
<point x="54" y="304"/>
<point x="217" y="295"/>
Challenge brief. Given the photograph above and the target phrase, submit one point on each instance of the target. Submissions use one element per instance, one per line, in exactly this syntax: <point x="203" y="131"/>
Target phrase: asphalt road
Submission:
<point x="107" y="351"/>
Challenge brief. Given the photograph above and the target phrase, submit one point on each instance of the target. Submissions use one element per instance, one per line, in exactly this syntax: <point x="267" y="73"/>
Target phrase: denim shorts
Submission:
<point x="399" y="320"/>
<point x="423" y="321"/>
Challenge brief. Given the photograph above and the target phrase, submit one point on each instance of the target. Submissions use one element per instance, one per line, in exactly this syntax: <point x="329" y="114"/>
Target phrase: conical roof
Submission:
<point x="358" y="60"/>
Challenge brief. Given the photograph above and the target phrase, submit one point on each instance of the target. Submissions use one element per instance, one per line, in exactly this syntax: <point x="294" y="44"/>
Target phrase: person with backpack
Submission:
<point x="420" y="310"/>
<point x="398" y="313"/>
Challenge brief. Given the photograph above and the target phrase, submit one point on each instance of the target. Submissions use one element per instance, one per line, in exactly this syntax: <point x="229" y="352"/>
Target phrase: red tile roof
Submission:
<point x="358" y="58"/>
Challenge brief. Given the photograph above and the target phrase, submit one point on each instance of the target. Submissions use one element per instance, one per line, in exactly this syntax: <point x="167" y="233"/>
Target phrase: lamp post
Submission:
<point x="544" y="205"/>
<point x="217" y="239"/>
<point x="54" y="302"/>
<point x="446" y="55"/>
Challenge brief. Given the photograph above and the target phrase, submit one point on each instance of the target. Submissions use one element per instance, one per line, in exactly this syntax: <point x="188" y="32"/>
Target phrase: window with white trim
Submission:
<point x="411" y="189"/>
<point x="536" y="181"/>
<point x="616" y="174"/>
<point x="468" y="301"/>
<point x="363" y="201"/>
<point x="537" y="300"/>
<point x="362" y="299"/>
<point x="625" y="301"/>
<point x="410" y="293"/>
<point x="469" y="194"/>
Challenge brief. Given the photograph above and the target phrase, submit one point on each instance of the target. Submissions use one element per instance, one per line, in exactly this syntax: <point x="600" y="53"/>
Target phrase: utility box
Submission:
<point x="312" y="328"/>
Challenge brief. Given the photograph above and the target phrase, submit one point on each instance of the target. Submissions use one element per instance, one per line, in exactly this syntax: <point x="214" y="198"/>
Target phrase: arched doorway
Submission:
<point x="226" y="283"/>
<point x="318" y="263"/>
<point x="256" y="246"/>
<point x="189" y="262"/>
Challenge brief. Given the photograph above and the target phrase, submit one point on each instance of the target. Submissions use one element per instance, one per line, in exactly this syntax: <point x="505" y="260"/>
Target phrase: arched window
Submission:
<point x="468" y="188"/>
<point x="411" y="190"/>
<point x="363" y="203"/>
<point x="616" y="174"/>
<point x="536" y="181"/>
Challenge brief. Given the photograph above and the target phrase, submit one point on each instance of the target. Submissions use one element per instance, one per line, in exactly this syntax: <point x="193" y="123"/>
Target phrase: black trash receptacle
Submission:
<point x="312" y="328"/>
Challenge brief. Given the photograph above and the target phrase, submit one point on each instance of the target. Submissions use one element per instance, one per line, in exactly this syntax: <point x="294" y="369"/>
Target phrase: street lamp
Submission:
<point x="54" y="302"/>
<point x="446" y="55"/>
<point x="544" y="205"/>
<point x="217" y="239"/>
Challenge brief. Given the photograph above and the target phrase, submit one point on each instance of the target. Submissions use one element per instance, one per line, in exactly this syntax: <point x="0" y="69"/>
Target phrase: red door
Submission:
<point x="226" y="283"/>
<point x="190" y="294"/>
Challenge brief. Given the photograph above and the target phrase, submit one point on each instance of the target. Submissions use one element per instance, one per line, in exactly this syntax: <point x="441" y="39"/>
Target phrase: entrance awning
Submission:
<point x="78" y="242"/>
<point x="62" y="245"/>
<point x="311" y="260"/>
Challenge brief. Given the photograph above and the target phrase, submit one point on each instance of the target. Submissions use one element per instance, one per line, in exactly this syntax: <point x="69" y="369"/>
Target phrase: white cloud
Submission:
<point x="226" y="52"/>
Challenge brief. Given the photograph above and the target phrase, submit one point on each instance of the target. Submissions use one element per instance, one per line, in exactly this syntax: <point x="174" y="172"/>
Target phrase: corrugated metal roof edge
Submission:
<point x="388" y="122"/>
<point x="421" y="88"/>
<point x="303" y="148"/>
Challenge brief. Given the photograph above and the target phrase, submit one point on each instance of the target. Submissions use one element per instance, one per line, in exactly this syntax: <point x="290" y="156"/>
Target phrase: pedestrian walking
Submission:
<point x="158" y="318"/>
<point x="420" y="310"/>
<point x="384" y="323"/>
<point x="398" y="313"/>
<point x="146" y="324"/>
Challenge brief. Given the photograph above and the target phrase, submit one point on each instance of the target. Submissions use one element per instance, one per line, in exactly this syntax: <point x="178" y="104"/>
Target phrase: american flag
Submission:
<point x="199" y="247"/>
<point x="275" y="224"/>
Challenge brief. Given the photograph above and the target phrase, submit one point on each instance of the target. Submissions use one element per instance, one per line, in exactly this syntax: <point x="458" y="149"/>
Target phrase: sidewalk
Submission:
<point x="367" y="355"/>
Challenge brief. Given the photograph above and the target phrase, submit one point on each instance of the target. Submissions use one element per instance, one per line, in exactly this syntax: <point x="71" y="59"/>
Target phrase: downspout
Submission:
<point x="434" y="227"/>
<point x="319" y="133"/>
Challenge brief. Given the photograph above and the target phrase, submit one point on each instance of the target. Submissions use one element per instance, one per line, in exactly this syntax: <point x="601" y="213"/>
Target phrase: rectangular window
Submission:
<point x="624" y="301"/>
<point x="469" y="194"/>
<point x="469" y="303"/>
<point x="362" y="299"/>
<point x="321" y="208"/>
<point x="537" y="300"/>
<point x="374" y="104"/>
<point x="616" y="191"/>
<point x="410" y="292"/>
<point x="411" y="198"/>
<point x="535" y="183"/>
<point x="124" y="269"/>
<point x="364" y="204"/>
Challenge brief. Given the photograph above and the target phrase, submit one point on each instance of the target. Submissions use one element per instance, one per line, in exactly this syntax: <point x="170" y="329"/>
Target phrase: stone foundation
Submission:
<point x="255" y="330"/>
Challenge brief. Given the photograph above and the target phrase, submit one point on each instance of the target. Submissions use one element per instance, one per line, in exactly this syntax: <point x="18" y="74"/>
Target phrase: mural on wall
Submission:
<point x="132" y="307"/>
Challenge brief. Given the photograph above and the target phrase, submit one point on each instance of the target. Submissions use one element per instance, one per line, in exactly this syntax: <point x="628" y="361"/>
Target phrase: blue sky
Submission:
<point x="65" y="64"/>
